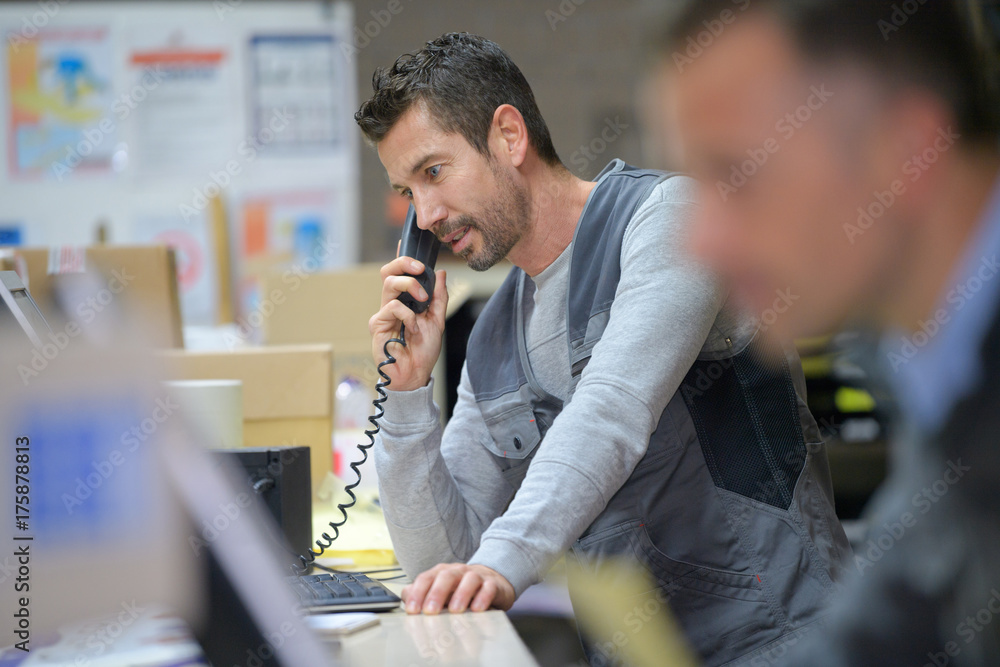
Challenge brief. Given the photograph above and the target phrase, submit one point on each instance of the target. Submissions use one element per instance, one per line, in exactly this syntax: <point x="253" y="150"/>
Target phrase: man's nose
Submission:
<point x="430" y="213"/>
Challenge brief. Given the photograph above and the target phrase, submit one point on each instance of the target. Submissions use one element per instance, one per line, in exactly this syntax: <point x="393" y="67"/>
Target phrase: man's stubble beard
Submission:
<point x="501" y="225"/>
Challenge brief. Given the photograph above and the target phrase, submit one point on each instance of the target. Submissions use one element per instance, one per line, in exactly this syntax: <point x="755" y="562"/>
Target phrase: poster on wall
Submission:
<point x="301" y="76"/>
<point x="60" y="91"/>
<point x="11" y="233"/>
<point x="197" y="269"/>
<point x="296" y="231"/>
<point x="187" y="124"/>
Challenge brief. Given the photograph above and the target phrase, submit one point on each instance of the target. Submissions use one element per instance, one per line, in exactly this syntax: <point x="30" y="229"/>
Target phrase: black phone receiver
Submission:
<point x="421" y="245"/>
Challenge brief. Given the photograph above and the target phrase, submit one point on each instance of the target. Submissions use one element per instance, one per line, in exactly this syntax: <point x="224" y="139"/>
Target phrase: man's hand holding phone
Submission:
<point x="424" y="331"/>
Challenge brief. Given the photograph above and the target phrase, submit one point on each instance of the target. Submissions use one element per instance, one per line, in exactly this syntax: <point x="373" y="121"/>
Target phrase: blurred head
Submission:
<point x="825" y="134"/>
<point x="454" y="123"/>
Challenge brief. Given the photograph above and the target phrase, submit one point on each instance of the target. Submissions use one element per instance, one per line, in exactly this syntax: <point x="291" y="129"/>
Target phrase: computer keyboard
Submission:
<point x="342" y="591"/>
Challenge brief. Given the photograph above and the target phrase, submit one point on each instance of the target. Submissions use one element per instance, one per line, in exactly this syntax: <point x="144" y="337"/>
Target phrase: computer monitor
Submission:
<point x="18" y="306"/>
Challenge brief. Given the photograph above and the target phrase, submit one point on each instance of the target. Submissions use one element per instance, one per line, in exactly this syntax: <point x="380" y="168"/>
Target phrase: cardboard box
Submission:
<point x="149" y="275"/>
<point x="334" y="307"/>
<point x="287" y="394"/>
<point x="329" y="307"/>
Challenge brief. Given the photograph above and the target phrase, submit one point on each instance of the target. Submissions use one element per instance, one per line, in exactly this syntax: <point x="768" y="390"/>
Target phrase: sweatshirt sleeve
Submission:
<point x="664" y="308"/>
<point x="439" y="490"/>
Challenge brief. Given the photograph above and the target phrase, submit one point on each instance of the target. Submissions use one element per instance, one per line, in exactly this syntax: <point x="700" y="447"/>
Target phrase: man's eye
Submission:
<point x="434" y="171"/>
<point x="407" y="193"/>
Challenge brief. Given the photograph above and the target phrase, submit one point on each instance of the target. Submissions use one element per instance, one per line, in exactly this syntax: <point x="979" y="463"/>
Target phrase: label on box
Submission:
<point x="66" y="259"/>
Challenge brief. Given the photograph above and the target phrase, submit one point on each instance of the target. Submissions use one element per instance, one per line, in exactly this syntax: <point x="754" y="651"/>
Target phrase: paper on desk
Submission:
<point x="364" y="539"/>
<point x="342" y="623"/>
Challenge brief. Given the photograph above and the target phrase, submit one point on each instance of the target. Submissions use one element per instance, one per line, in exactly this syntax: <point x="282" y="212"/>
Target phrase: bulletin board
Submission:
<point x="135" y="116"/>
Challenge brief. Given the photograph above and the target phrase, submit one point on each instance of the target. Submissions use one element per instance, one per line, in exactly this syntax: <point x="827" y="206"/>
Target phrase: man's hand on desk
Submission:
<point x="461" y="587"/>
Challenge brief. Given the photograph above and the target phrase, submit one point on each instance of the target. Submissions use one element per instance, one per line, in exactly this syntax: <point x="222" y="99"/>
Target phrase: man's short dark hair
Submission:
<point x="462" y="79"/>
<point x="926" y="43"/>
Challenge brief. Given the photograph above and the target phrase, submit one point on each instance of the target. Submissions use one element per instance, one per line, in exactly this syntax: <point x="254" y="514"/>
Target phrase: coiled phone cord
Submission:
<point x="325" y="542"/>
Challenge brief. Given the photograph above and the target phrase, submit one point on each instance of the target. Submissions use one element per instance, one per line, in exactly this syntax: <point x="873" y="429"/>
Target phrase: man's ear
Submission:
<point x="509" y="135"/>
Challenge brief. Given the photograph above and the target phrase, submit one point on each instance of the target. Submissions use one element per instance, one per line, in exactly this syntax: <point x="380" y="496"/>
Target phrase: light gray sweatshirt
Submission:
<point x="443" y="496"/>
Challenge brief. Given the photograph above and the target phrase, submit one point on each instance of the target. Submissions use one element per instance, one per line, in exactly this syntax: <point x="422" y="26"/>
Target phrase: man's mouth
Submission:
<point x="456" y="238"/>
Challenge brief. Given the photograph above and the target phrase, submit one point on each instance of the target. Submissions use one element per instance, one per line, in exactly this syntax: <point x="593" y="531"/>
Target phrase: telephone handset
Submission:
<point x="421" y="245"/>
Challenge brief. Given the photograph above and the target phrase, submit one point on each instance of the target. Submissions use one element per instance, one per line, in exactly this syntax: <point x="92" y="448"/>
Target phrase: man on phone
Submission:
<point x="612" y="401"/>
<point x="877" y="200"/>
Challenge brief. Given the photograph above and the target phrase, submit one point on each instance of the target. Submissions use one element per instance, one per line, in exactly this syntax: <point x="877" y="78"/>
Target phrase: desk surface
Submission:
<point x="401" y="640"/>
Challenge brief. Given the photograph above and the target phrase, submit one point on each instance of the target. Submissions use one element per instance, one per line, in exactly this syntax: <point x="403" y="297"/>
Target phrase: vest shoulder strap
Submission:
<point x="597" y="247"/>
<point x="595" y="267"/>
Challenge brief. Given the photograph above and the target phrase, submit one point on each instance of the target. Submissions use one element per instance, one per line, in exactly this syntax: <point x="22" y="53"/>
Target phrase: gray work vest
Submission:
<point x="730" y="510"/>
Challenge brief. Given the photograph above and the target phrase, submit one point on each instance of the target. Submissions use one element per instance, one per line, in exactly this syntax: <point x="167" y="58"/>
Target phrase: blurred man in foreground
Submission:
<point x="847" y="151"/>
